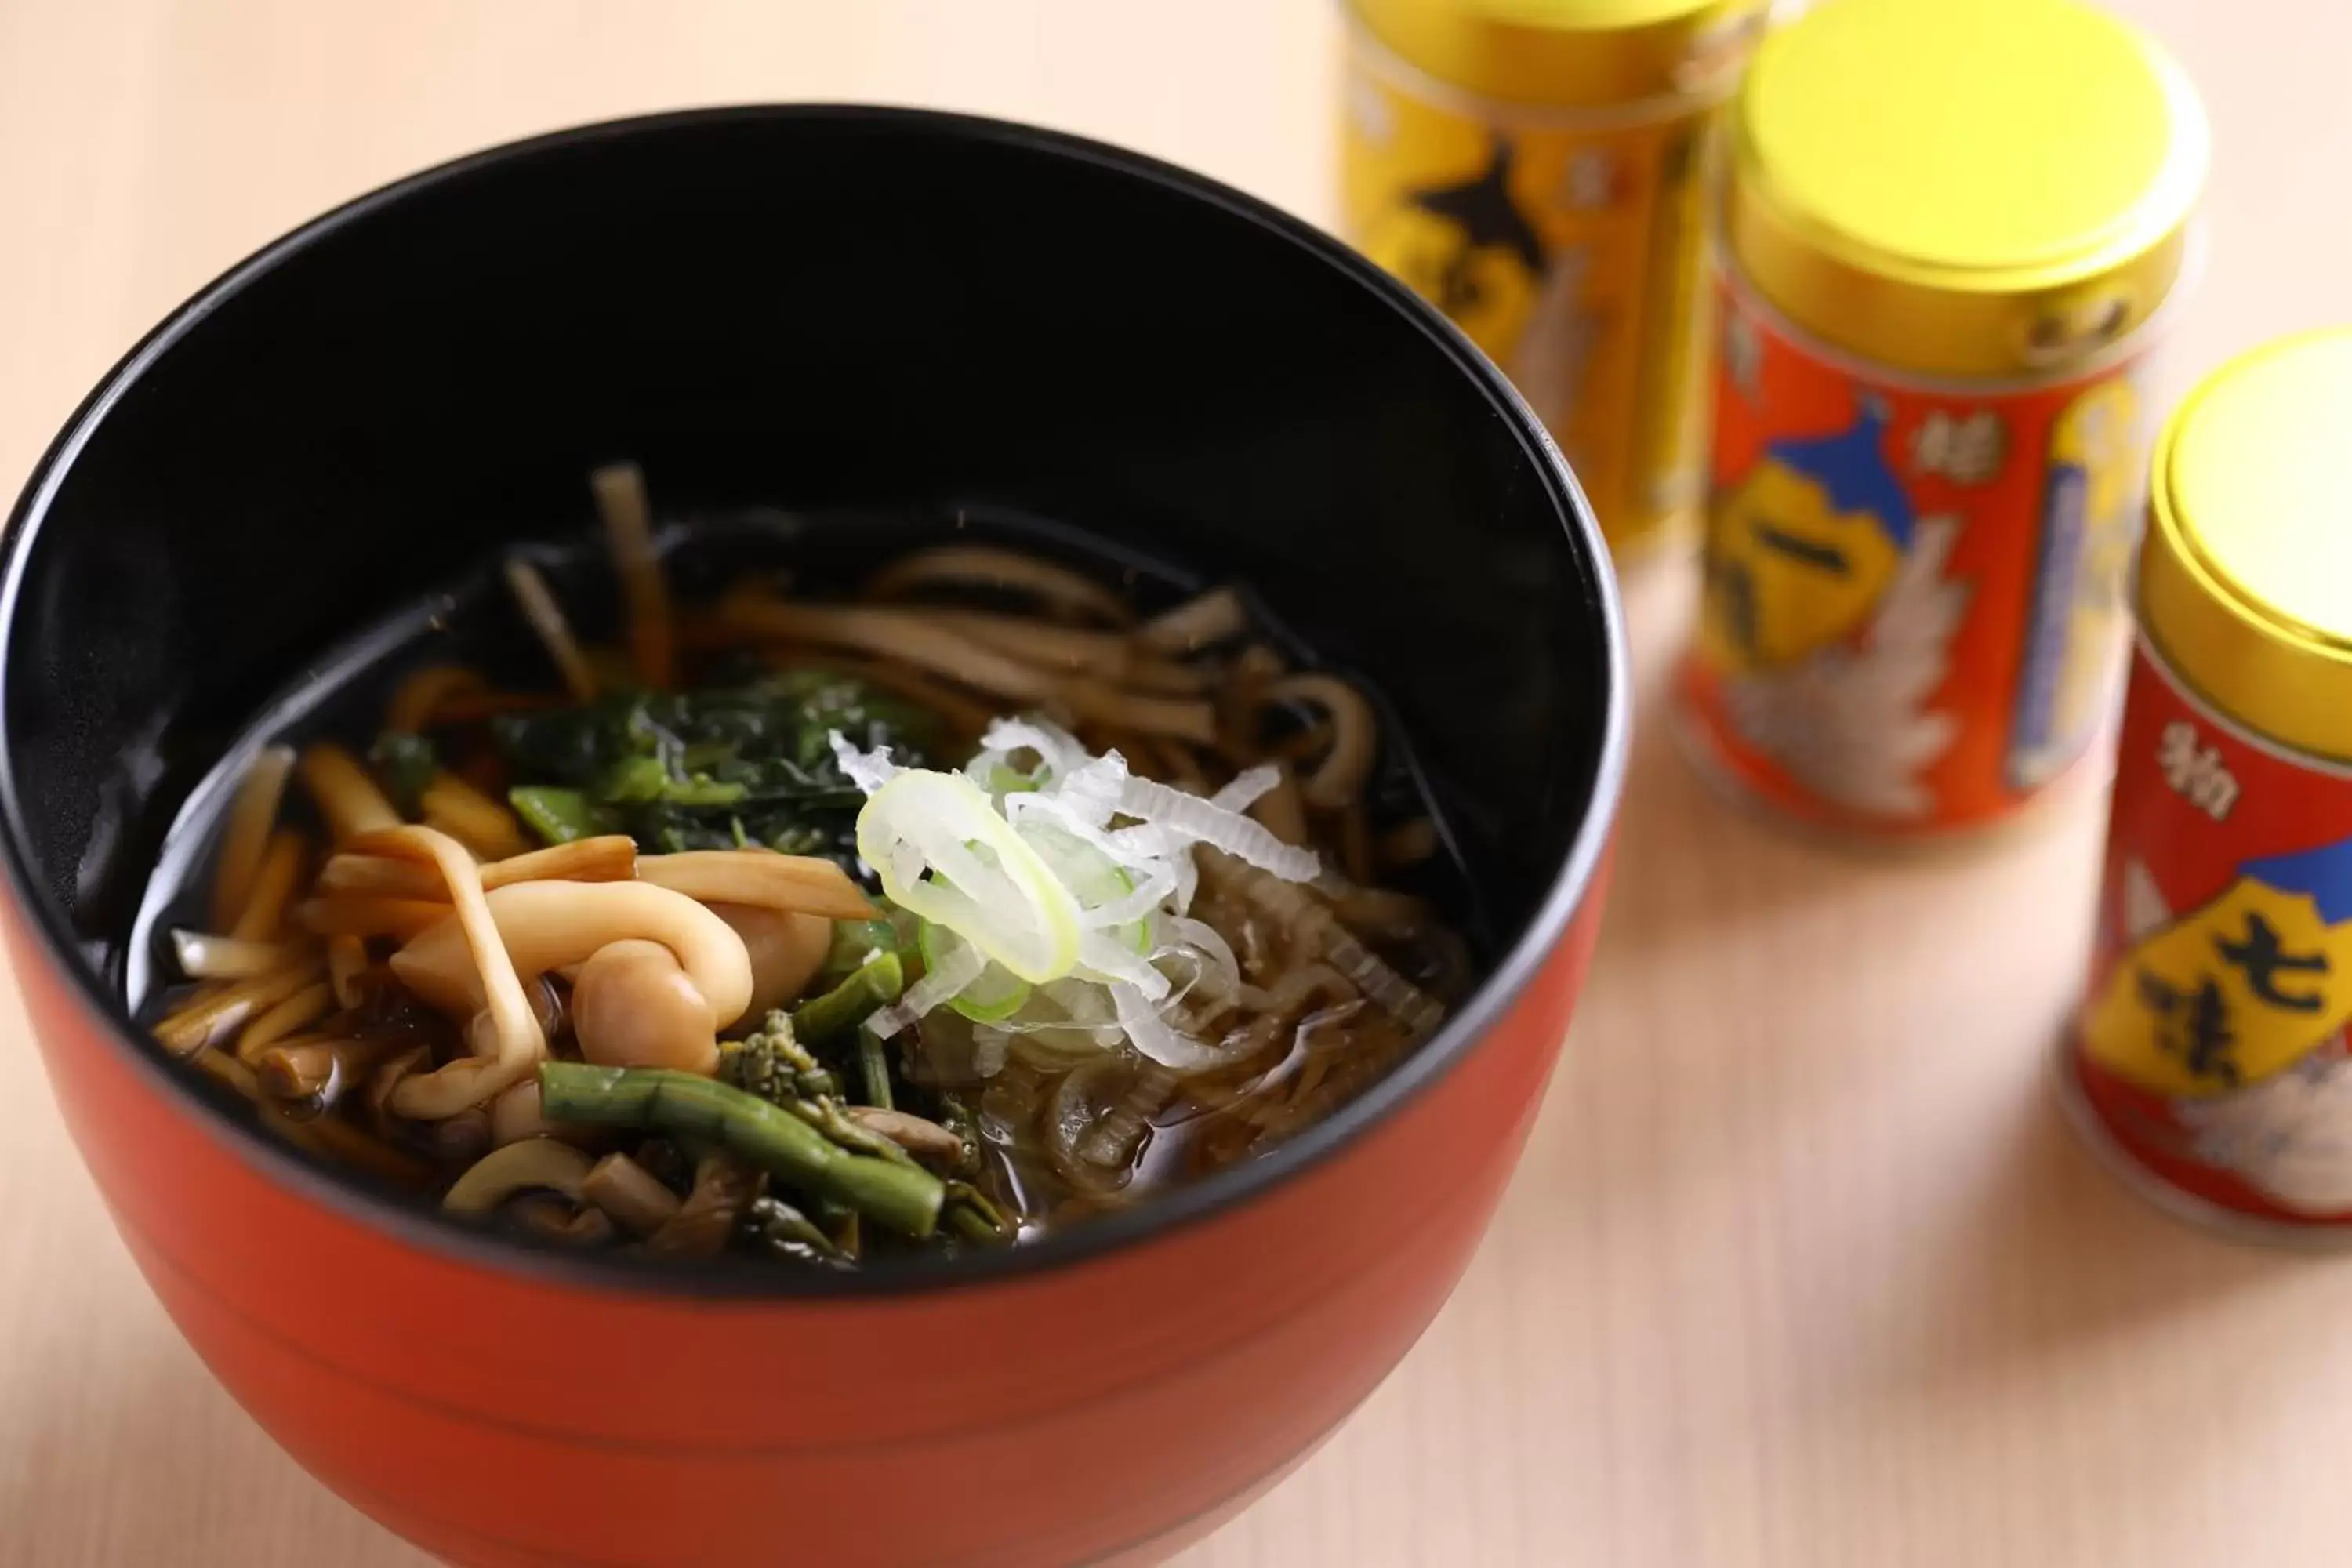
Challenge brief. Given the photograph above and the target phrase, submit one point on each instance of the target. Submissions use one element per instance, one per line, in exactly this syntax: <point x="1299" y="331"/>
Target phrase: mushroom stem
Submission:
<point x="250" y="818"/>
<point x="512" y="1030"/>
<point x="760" y="879"/>
<point x="628" y="1192"/>
<point x="343" y="792"/>
<point x="724" y="1187"/>
<point x="535" y="1163"/>
<point x="544" y="926"/>
<point x="611" y="858"/>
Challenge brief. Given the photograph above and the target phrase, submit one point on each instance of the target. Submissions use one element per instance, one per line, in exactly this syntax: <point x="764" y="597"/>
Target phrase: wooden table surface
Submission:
<point x="1801" y="1267"/>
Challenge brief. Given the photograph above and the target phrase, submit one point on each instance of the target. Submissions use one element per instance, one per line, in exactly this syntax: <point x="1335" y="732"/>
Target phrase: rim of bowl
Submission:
<point x="404" y="1222"/>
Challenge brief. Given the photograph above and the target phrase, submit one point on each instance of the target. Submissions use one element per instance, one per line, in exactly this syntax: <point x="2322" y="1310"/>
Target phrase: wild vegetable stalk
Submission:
<point x="841" y="1224"/>
<point x="785" y="1230"/>
<point x="874" y="985"/>
<point x="970" y="1216"/>
<point x="826" y="1116"/>
<point x="854" y="942"/>
<point x="904" y="1197"/>
<point x="875" y="1069"/>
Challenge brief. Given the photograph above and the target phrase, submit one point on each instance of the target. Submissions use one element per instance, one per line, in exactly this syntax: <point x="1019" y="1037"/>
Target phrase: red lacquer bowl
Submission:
<point x="805" y="307"/>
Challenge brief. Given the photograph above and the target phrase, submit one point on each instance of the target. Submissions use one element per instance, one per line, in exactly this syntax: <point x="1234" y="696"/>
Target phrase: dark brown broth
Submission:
<point x="343" y="696"/>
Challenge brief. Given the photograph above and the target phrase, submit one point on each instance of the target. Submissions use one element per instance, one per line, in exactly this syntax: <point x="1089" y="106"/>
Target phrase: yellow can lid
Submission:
<point x="1965" y="188"/>
<point x="1570" y="54"/>
<point x="2245" y="581"/>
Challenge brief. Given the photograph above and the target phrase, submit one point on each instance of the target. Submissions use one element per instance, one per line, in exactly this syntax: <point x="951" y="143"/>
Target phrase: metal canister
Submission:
<point x="2209" y="1056"/>
<point x="1538" y="169"/>
<point x="1948" y="234"/>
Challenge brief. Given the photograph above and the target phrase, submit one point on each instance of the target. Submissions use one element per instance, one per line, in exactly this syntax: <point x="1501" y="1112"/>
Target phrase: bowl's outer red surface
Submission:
<point x="1113" y="1409"/>
<point x="1110" y="340"/>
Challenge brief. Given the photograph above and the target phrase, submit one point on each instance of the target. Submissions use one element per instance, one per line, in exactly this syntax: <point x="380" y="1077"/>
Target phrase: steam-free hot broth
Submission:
<point x="823" y="926"/>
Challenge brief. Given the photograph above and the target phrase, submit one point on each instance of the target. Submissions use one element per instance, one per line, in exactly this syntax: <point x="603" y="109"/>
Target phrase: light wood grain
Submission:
<point x="1801" y="1269"/>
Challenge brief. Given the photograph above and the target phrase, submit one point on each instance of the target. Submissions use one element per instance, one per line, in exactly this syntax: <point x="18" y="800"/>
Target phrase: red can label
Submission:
<point x="1913" y="594"/>
<point x="2210" y="1043"/>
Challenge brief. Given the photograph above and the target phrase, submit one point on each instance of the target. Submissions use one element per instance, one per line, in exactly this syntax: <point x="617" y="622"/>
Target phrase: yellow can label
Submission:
<point x="1569" y="251"/>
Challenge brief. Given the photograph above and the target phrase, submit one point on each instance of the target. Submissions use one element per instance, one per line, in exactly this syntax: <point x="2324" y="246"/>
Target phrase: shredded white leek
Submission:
<point x="1217" y="958"/>
<point x="1148" y="1032"/>
<point x="1247" y="788"/>
<point x="869" y="771"/>
<point x="1066" y="869"/>
<point x="961" y="967"/>
<point x="944" y="852"/>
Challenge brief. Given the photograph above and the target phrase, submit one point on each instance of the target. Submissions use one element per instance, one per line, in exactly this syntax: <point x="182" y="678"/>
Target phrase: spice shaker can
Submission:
<point x="1539" y="170"/>
<point x="1948" y="234"/>
<point x="2208" y="1057"/>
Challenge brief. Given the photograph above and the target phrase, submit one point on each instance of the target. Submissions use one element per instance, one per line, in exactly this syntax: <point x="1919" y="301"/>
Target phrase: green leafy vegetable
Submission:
<point x="560" y="815"/>
<point x="720" y="768"/>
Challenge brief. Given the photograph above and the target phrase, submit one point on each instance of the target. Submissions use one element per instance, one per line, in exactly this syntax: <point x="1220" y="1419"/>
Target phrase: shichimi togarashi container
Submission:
<point x="1948" y="234"/>
<point x="2208" y="1060"/>
<point x="1538" y="169"/>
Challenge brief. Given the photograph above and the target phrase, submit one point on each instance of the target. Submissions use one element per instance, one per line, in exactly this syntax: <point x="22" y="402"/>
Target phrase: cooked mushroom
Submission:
<point x="515" y="1115"/>
<point x="786" y="949"/>
<point x="544" y="926"/>
<point x="918" y="1135"/>
<point x="535" y="1163"/>
<point x="551" y="1219"/>
<point x="504" y="1033"/>
<point x="723" y="1187"/>
<point x="635" y="1007"/>
<point x="630" y="1194"/>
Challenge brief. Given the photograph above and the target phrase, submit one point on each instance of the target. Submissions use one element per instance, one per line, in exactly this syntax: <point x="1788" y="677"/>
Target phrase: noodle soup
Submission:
<point x="824" y="915"/>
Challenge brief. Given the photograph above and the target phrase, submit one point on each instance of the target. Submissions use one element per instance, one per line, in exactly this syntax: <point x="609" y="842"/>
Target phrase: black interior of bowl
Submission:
<point x="809" y="308"/>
